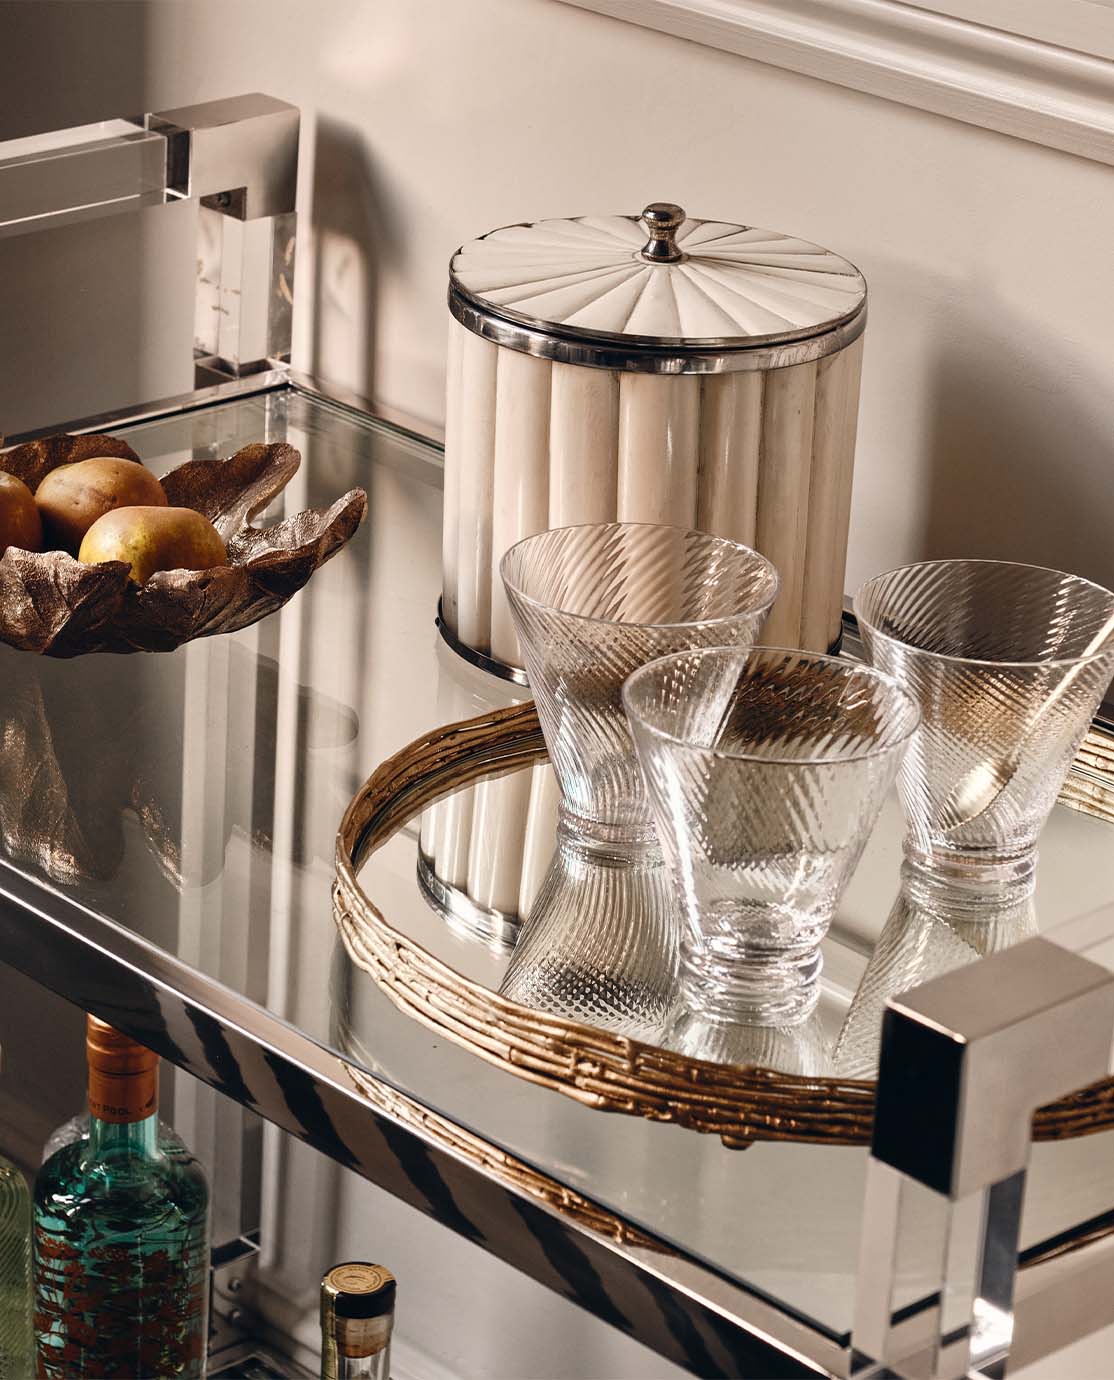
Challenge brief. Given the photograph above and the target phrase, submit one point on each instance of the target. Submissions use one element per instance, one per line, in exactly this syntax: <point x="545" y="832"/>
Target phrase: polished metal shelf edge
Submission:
<point x="268" y="381"/>
<point x="364" y="410"/>
<point x="672" y="1303"/>
<point x="361" y="410"/>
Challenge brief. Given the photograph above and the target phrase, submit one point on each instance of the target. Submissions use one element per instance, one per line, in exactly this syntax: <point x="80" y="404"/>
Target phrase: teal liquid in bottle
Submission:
<point x="121" y="1240"/>
<point x="16" y="1341"/>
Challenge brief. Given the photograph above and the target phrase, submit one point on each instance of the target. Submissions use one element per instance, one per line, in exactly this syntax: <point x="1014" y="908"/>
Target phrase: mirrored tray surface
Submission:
<point x="445" y="954"/>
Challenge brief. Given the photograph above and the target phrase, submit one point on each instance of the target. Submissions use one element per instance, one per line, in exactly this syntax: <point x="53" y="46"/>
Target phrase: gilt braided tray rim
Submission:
<point x="740" y="1103"/>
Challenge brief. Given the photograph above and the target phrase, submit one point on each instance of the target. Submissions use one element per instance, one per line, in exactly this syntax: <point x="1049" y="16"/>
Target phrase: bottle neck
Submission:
<point x="138" y="1139"/>
<point x="123" y="1096"/>
<point x="357" y="1350"/>
<point x="376" y="1367"/>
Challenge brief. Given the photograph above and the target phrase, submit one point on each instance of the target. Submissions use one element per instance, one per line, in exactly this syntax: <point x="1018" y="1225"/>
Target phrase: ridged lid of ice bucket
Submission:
<point x="659" y="293"/>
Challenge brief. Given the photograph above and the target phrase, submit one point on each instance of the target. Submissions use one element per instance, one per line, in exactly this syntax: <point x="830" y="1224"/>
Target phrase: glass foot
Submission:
<point x="975" y="884"/>
<point x="742" y="976"/>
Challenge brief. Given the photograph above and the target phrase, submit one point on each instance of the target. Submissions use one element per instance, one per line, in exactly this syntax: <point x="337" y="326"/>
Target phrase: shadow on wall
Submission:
<point x="355" y="238"/>
<point x="70" y="326"/>
<point x="66" y="64"/>
<point x="1021" y="465"/>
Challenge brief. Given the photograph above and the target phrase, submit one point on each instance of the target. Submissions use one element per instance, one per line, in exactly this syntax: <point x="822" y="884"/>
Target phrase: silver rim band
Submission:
<point x="495" y="927"/>
<point x="490" y="664"/>
<point x="664" y="358"/>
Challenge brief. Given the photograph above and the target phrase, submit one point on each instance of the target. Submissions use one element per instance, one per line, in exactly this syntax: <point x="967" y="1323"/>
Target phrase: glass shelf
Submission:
<point x="167" y="827"/>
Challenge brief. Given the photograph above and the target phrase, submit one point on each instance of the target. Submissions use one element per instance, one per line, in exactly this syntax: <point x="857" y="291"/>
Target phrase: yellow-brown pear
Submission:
<point x="20" y="524"/>
<point x="72" y="497"/>
<point x="151" y="538"/>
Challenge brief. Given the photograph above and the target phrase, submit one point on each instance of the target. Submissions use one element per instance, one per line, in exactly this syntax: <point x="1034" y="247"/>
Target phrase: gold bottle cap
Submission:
<point x="123" y="1074"/>
<point x="114" y="1052"/>
<point x="357" y="1307"/>
<point x="356" y="1289"/>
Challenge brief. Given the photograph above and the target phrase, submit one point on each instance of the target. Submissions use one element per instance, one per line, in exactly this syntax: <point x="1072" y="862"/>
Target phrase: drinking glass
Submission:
<point x="1009" y="664"/>
<point x="766" y="772"/>
<point x="591" y="604"/>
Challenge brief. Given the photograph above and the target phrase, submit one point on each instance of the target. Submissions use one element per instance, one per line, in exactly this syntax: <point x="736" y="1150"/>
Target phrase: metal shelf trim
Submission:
<point x="678" y="1306"/>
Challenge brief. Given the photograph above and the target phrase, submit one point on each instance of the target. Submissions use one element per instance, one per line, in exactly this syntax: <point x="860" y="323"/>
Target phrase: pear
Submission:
<point x="72" y="497"/>
<point x="149" y="539"/>
<point x="20" y="524"/>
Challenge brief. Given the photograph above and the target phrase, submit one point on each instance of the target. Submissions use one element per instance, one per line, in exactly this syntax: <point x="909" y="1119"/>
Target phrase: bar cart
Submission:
<point x="168" y="866"/>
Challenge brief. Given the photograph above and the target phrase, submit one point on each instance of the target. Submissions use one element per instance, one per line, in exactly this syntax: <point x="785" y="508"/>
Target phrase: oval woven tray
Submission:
<point x="601" y="1070"/>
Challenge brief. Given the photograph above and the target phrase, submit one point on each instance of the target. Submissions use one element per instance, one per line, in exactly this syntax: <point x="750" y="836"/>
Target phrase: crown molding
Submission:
<point x="1013" y="83"/>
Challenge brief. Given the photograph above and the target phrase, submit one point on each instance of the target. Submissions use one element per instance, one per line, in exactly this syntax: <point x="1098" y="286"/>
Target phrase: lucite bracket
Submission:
<point x="238" y="158"/>
<point x="966" y="1059"/>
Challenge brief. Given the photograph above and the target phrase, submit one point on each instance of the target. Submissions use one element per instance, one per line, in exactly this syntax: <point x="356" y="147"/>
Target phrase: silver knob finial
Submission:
<point x="662" y="220"/>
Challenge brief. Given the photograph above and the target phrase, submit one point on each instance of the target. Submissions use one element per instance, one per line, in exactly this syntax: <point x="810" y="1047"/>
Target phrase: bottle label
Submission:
<point x="362" y="1336"/>
<point x="123" y="1097"/>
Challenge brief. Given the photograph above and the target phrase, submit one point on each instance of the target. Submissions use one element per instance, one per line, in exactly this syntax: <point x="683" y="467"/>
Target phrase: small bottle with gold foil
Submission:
<point x="357" y="1315"/>
<point x="121" y="1234"/>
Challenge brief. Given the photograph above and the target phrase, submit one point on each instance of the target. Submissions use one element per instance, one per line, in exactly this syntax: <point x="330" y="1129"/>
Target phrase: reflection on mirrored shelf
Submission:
<point x="877" y="949"/>
<point x="931" y="929"/>
<point x="804" y="1048"/>
<point x="483" y="841"/>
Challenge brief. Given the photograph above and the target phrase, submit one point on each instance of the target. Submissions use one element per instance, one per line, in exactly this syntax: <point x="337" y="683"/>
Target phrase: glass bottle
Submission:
<point x="77" y="1128"/>
<point x="357" y="1315"/>
<point x="121" y="1234"/>
<point x="16" y="1341"/>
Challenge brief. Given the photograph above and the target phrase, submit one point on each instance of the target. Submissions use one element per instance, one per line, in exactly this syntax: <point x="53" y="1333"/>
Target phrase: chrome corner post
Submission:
<point x="239" y="159"/>
<point x="966" y="1059"/>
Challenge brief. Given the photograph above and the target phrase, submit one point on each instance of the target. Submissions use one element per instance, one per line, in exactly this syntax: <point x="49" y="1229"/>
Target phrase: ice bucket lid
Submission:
<point x="660" y="293"/>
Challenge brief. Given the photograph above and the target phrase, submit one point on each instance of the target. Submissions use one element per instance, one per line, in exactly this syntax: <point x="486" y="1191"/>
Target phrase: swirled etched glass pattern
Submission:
<point x="766" y="771"/>
<point x="933" y="927"/>
<point x="591" y="604"/>
<point x="1009" y="664"/>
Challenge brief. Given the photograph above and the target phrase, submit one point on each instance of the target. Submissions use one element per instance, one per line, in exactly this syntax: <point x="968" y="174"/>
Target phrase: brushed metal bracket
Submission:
<point x="966" y="1060"/>
<point x="237" y="158"/>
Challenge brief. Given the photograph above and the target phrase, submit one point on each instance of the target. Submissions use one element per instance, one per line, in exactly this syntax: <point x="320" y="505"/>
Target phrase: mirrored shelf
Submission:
<point x="167" y="828"/>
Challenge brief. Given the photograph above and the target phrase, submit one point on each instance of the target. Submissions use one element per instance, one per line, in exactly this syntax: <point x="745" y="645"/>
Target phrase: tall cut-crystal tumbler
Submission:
<point x="766" y="772"/>
<point x="1009" y="664"/>
<point x="591" y="604"/>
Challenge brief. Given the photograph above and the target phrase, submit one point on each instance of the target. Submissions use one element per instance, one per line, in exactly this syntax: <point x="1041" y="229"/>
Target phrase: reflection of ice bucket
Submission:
<point x="485" y="848"/>
<point x="679" y="371"/>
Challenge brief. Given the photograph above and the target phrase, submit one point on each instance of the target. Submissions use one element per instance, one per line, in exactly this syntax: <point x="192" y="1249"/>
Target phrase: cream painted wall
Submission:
<point x="987" y="422"/>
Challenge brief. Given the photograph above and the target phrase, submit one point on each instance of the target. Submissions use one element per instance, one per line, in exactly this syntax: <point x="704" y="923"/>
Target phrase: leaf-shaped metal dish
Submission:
<point x="53" y="605"/>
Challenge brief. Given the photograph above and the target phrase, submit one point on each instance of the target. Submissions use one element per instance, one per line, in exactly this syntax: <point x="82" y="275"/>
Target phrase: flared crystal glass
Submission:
<point x="1009" y="664"/>
<point x="766" y="772"/>
<point x="591" y="604"/>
